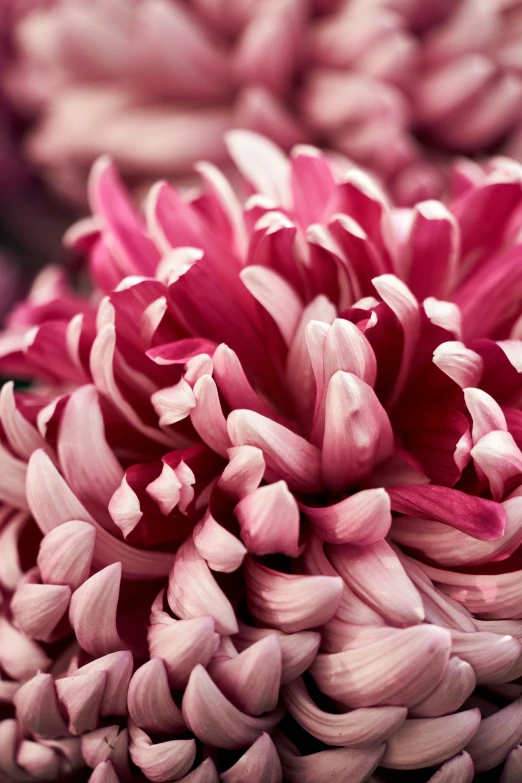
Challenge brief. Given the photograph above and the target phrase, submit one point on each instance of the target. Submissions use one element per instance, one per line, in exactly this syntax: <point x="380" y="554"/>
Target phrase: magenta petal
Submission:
<point x="151" y="706"/>
<point x="363" y="518"/>
<point x="93" y="612"/>
<point x="37" y="708"/>
<point x="269" y="520"/>
<point x="215" y="720"/>
<point x="252" y="679"/>
<point x="66" y="553"/>
<point x="259" y="764"/>
<point x="480" y="518"/>
<point x="290" y="602"/>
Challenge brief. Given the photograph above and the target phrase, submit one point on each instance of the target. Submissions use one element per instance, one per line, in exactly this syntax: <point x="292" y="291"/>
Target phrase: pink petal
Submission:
<point x="205" y="773"/>
<point x="251" y="680"/>
<point x="124" y="507"/>
<point x="38" y="609"/>
<point x="459" y="769"/>
<point x="93" y="612"/>
<point x="244" y="472"/>
<point x="40" y="762"/>
<point x="491" y="655"/>
<point x="193" y="591"/>
<point x="402" y="669"/>
<point x="12" y="480"/>
<point x="37" y="708"/>
<point x="457" y="684"/>
<point x="234" y="384"/>
<point x="104" y="773"/>
<point x="346" y="348"/>
<point x="433" y="248"/>
<point x="276" y="296"/>
<point x="89" y="465"/>
<point x="174" y="403"/>
<point x="22" y="436"/>
<point x="499" y="458"/>
<point x="215" y="720"/>
<point x="344" y="765"/>
<point x="496" y="736"/>
<point x="485" y="412"/>
<point x="475" y="516"/>
<point x="181" y="351"/>
<point x="269" y="520"/>
<point x="166" y="489"/>
<point x="298" y="650"/>
<point x="182" y="644"/>
<point x="290" y="602"/>
<point x="425" y="742"/>
<point x="164" y="761"/>
<point x="81" y="696"/>
<point x="109" y="743"/>
<point x="290" y="457"/>
<point x="262" y="164"/>
<point x="207" y="417"/>
<point x="259" y="764"/>
<point x="20" y="657"/>
<point x="117" y="667"/>
<point x="461" y="364"/>
<point x="359" y="728"/>
<point x="363" y="518"/>
<point x="357" y="434"/>
<point x="10" y="532"/>
<point x="66" y="553"/>
<point x="222" y="550"/>
<point x="151" y="706"/>
<point x="513" y="766"/>
<point x="376" y="575"/>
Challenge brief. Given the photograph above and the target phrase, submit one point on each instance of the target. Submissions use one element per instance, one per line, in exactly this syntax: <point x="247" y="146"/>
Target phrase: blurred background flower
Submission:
<point x="396" y="85"/>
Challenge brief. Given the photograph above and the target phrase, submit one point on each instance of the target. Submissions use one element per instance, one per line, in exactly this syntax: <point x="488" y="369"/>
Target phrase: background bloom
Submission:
<point x="261" y="507"/>
<point x="392" y="84"/>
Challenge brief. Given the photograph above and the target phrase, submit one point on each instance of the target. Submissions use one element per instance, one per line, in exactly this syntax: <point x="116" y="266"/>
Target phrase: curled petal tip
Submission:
<point x="66" y="554"/>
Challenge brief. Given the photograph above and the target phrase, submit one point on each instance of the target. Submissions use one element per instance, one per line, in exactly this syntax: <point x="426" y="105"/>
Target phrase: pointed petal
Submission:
<point x="104" y="773"/>
<point x="244" y="472"/>
<point x="358" y="728"/>
<point x="234" y="384"/>
<point x="290" y="602"/>
<point x="124" y="508"/>
<point x="276" y="296"/>
<point x="108" y="743"/>
<point x="269" y="520"/>
<point x="262" y="163"/>
<point x="66" y="553"/>
<point x="205" y="773"/>
<point x="193" y="591"/>
<point x="93" y="612"/>
<point x="363" y="518"/>
<point x="151" y="706"/>
<point x="346" y="348"/>
<point x="215" y="720"/>
<point x="182" y="644"/>
<point x="375" y="574"/>
<point x="222" y="550"/>
<point x="259" y="764"/>
<point x="166" y="489"/>
<point x="117" y="667"/>
<point x="173" y="403"/>
<point x="499" y="458"/>
<point x="426" y="742"/>
<point x="20" y="657"/>
<point x="456" y="686"/>
<point x="402" y="669"/>
<point x="37" y="708"/>
<point x="491" y="655"/>
<point x="38" y="609"/>
<point x="207" y="417"/>
<point x="23" y="437"/>
<point x="357" y="434"/>
<point x="344" y="765"/>
<point x="461" y="364"/>
<point x="512" y="771"/>
<point x="496" y="736"/>
<point x="252" y="679"/>
<point x="12" y="480"/>
<point x="81" y="697"/>
<point x="459" y="769"/>
<point x="290" y="457"/>
<point x="164" y="761"/>
<point x="40" y="762"/>
<point x="298" y="650"/>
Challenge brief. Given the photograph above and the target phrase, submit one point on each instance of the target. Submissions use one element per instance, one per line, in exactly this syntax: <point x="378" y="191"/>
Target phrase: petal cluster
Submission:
<point x="398" y="86"/>
<point x="261" y="505"/>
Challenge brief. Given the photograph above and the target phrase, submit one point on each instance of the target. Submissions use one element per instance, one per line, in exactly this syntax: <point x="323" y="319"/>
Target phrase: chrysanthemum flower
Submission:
<point x="262" y="506"/>
<point x="395" y="85"/>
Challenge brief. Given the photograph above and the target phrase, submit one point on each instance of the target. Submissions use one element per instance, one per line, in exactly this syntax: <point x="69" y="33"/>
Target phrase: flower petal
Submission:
<point x="165" y="761"/>
<point x="93" y="612"/>
<point x="222" y="550"/>
<point x="363" y="518"/>
<point x="182" y="644"/>
<point x="37" y="708"/>
<point x="38" y="609"/>
<point x="66" y="553"/>
<point x="207" y="417"/>
<point x="269" y="520"/>
<point x="259" y="764"/>
<point x="151" y="706"/>
<point x="81" y="696"/>
<point x="344" y="765"/>
<point x="496" y="736"/>
<point x="456" y="686"/>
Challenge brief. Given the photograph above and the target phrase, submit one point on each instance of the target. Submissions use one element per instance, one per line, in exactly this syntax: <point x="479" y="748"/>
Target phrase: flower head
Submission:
<point x="262" y="506"/>
<point x="394" y="85"/>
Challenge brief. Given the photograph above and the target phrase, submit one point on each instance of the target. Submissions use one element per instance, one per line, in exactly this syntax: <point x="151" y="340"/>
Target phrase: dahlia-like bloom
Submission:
<point x="262" y="506"/>
<point x="394" y="84"/>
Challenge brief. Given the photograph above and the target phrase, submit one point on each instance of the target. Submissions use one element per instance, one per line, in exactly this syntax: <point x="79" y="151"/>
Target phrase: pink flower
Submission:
<point x="261" y="507"/>
<point x="393" y="84"/>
